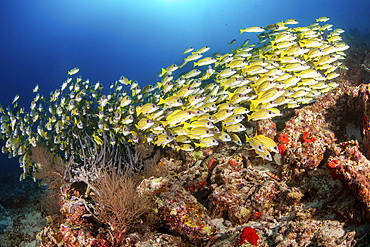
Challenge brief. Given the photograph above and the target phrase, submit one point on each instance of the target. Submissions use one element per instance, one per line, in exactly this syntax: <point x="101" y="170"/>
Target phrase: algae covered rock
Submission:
<point x="177" y="210"/>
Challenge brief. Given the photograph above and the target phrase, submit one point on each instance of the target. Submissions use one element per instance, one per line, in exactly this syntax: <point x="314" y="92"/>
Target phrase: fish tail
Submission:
<point x="230" y="95"/>
<point x="254" y="104"/>
<point x="163" y="72"/>
<point x="164" y="123"/>
<point x="161" y="101"/>
<point x="282" y="53"/>
<point x="273" y="46"/>
<point x="241" y="31"/>
<point x="247" y="138"/>
<point x="261" y="54"/>
<point x="138" y="111"/>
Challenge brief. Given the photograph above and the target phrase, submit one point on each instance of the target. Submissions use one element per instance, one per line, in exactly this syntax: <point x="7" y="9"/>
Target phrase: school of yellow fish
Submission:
<point x="288" y="67"/>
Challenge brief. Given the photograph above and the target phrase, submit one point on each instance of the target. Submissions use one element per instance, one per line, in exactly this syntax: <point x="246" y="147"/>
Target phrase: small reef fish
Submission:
<point x="73" y="71"/>
<point x="252" y="29"/>
<point x="186" y="109"/>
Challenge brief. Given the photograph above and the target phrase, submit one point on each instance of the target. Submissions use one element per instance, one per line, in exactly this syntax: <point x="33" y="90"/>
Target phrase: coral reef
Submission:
<point x="314" y="192"/>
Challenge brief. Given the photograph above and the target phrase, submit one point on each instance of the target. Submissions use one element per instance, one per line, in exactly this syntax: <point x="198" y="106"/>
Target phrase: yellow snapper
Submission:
<point x="187" y="50"/>
<point x="146" y="109"/>
<point x="73" y="71"/>
<point x="205" y="61"/>
<point x="123" y="80"/>
<point x="252" y="30"/>
<point x="199" y="132"/>
<point x="261" y="114"/>
<point x="207" y="142"/>
<point x="144" y="124"/>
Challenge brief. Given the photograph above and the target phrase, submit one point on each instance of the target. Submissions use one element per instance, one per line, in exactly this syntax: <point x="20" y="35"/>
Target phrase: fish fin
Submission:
<point x="282" y="53"/>
<point x="247" y="138"/>
<point x="159" y="85"/>
<point x="161" y="101"/>
<point x="138" y="111"/>
<point x="163" y="72"/>
<point x="230" y="95"/>
<point x="254" y="104"/>
<point x="164" y="123"/>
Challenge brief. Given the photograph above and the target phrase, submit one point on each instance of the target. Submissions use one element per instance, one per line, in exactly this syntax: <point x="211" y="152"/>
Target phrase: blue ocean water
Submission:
<point x="41" y="39"/>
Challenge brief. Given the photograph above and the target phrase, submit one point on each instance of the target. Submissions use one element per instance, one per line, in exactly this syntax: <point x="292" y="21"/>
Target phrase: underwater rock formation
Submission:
<point x="177" y="209"/>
